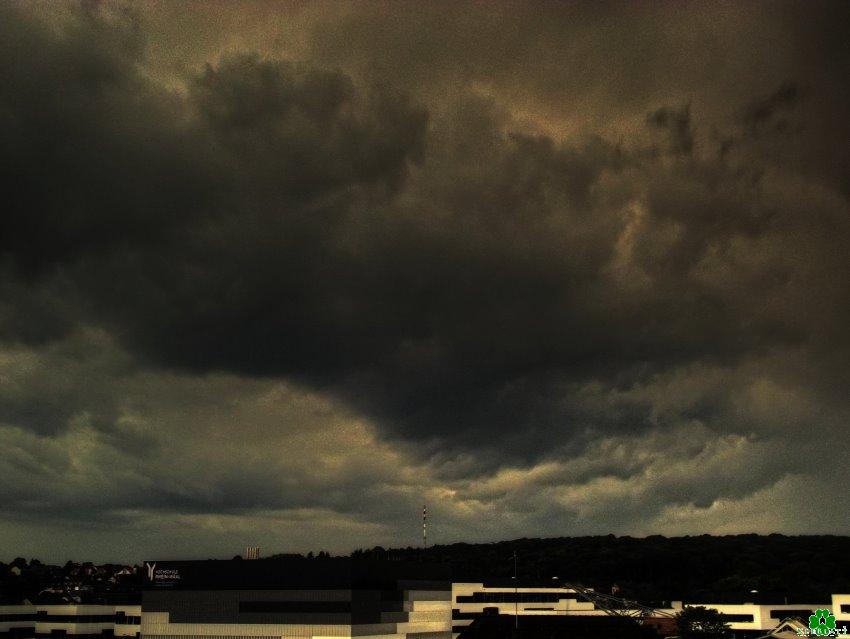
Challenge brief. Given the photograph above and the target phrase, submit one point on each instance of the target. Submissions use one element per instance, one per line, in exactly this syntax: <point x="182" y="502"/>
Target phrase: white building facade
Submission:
<point x="470" y="600"/>
<point x="34" y="621"/>
<point x="331" y="613"/>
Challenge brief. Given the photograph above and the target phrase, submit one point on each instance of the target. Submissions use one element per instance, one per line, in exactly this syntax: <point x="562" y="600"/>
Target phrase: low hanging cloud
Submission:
<point x="518" y="311"/>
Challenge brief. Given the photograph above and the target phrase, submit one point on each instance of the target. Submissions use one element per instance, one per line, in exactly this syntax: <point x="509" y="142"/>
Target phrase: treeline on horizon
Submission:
<point x="656" y="569"/>
<point x="652" y="570"/>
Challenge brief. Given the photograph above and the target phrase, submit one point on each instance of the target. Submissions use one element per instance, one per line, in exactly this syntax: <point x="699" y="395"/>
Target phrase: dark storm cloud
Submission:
<point x="449" y="278"/>
<point x="572" y="260"/>
<point x="677" y="124"/>
<point x="94" y="155"/>
<point x="764" y="110"/>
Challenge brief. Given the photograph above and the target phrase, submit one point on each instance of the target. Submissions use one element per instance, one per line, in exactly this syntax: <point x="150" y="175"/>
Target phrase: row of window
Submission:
<point x="774" y="614"/>
<point x="516" y="597"/>
<point x="546" y="597"/>
<point x="296" y="606"/>
<point x="44" y="617"/>
<point x="728" y="617"/>
<point x="784" y="614"/>
<point x="120" y="618"/>
<point x="735" y="618"/>
<point x="29" y="633"/>
<point x="17" y="617"/>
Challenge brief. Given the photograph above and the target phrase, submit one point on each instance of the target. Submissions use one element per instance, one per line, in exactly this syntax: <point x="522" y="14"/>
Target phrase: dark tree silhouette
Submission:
<point x="700" y="622"/>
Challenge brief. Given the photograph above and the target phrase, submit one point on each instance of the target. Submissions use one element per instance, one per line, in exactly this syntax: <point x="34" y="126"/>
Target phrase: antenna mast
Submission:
<point x="425" y="526"/>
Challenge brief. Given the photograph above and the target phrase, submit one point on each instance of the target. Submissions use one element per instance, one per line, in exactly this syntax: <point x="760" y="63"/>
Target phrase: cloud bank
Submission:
<point x="283" y="276"/>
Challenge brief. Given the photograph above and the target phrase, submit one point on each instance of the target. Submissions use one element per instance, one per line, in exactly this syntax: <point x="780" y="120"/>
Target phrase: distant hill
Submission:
<point x="805" y="569"/>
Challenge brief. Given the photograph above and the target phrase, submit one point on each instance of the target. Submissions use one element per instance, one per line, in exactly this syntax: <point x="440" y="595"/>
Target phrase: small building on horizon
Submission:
<point x="252" y="552"/>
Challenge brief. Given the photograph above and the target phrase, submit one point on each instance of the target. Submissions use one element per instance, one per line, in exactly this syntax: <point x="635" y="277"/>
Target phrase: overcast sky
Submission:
<point x="279" y="274"/>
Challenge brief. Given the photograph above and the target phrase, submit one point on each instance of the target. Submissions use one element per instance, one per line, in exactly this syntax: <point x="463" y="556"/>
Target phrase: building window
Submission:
<point x="784" y="614"/>
<point x="514" y="597"/>
<point x="294" y="606"/>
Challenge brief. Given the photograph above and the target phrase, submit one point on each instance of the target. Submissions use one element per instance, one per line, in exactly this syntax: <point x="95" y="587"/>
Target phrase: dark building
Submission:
<point x="296" y="597"/>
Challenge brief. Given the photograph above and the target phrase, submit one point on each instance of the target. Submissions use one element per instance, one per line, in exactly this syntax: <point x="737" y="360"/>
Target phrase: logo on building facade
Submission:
<point x="822" y="623"/>
<point x="166" y="577"/>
